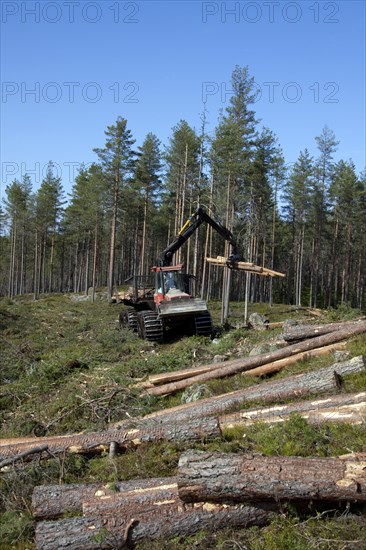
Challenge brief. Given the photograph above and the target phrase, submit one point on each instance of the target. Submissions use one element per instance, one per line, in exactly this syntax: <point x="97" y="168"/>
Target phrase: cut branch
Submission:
<point x="22" y="455"/>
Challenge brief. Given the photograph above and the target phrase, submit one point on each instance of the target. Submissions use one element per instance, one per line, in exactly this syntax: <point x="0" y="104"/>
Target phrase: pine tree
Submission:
<point x="232" y="149"/>
<point x="297" y="198"/>
<point x="347" y="196"/>
<point x="327" y="146"/>
<point x="148" y="182"/>
<point x="18" y="210"/>
<point x="48" y="208"/>
<point x="117" y="161"/>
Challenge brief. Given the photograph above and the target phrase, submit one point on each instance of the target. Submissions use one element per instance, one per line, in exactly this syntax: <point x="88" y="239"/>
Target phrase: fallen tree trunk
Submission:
<point x="276" y="366"/>
<point x="53" y="501"/>
<point x="118" y="531"/>
<point x="301" y="332"/>
<point x="320" y="381"/>
<point x="227" y="477"/>
<point x="229" y="368"/>
<point x="167" y="377"/>
<point x="93" y="443"/>
<point x="350" y="408"/>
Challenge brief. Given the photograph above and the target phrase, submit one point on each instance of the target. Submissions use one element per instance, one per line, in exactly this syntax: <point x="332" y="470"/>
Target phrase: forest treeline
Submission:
<point x="308" y="221"/>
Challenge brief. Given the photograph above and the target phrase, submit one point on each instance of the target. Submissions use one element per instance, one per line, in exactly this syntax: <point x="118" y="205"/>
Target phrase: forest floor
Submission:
<point x="66" y="367"/>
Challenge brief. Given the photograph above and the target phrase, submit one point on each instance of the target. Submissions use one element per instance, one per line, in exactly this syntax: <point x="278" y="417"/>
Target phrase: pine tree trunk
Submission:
<point x="233" y="477"/>
<point x="112" y="242"/>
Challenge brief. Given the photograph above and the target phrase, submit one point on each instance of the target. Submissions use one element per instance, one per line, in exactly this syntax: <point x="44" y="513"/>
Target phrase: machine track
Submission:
<point x="128" y="319"/>
<point x="203" y="324"/>
<point x="150" y="327"/>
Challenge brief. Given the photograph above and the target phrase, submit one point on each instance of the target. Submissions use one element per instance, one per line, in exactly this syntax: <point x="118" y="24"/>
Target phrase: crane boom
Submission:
<point x="192" y="224"/>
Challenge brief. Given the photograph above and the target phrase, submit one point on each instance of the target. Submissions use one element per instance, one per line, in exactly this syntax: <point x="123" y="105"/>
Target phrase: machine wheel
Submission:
<point x="203" y="324"/>
<point x="150" y="327"/>
<point x="128" y="319"/>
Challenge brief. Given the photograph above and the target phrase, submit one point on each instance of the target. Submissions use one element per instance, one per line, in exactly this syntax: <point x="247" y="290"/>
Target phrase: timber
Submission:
<point x="346" y="408"/>
<point x="276" y="366"/>
<point x="53" y="501"/>
<point x="94" y="443"/>
<point x="245" y="266"/>
<point x="120" y="530"/>
<point x="228" y="477"/>
<point x="229" y="368"/>
<point x="297" y="333"/>
<point x="300" y="385"/>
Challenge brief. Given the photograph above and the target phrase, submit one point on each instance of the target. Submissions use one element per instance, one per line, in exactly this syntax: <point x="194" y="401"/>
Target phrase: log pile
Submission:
<point x="211" y="491"/>
<point x="230" y="368"/>
<point x="195" y="421"/>
<point x="324" y="380"/>
<point x="147" y="509"/>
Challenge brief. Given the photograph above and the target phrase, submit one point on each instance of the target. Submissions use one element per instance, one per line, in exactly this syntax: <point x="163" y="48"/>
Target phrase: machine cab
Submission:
<point x="171" y="283"/>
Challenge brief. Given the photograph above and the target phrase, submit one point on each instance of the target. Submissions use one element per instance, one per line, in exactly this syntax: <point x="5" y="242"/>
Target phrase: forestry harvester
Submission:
<point x="163" y="299"/>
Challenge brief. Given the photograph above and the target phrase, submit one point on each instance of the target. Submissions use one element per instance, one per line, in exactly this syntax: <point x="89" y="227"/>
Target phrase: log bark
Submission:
<point x="276" y="366"/>
<point x="118" y="531"/>
<point x="53" y="501"/>
<point x="230" y="368"/>
<point x="299" y="385"/>
<point x="94" y="443"/>
<point x="227" y="477"/>
<point x="297" y="333"/>
<point x="348" y="408"/>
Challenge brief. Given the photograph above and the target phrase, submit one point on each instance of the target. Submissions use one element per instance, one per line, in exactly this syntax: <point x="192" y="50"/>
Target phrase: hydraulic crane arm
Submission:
<point x="189" y="228"/>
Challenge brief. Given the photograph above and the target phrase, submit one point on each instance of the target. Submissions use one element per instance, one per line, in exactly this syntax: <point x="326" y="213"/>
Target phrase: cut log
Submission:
<point x="228" y="477"/>
<point x="347" y="408"/>
<point x="325" y="380"/>
<point x="53" y="501"/>
<point x="142" y="500"/>
<point x="245" y="266"/>
<point x="167" y="377"/>
<point x="93" y="443"/>
<point x="230" y="368"/>
<point x="297" y="333"/>
<point x="118" y="531"/>
<point x="276" y="366"/>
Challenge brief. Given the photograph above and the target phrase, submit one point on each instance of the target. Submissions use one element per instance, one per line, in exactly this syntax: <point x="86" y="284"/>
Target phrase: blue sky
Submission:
<point x="70" y="68"/>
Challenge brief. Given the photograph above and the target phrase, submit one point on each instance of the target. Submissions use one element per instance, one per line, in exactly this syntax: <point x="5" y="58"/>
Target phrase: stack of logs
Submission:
<point x="211" y="490"/>
<point x="305" y="342"/>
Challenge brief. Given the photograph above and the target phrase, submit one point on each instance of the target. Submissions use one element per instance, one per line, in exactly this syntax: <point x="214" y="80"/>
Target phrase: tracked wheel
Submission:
<point x="128" y="319"/>
<point x="150" y="327"/>
<point x="203" y="324"/>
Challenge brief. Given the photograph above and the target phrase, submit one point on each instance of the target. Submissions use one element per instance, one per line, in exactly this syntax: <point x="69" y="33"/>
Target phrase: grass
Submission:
<point x="66" y="367"/>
